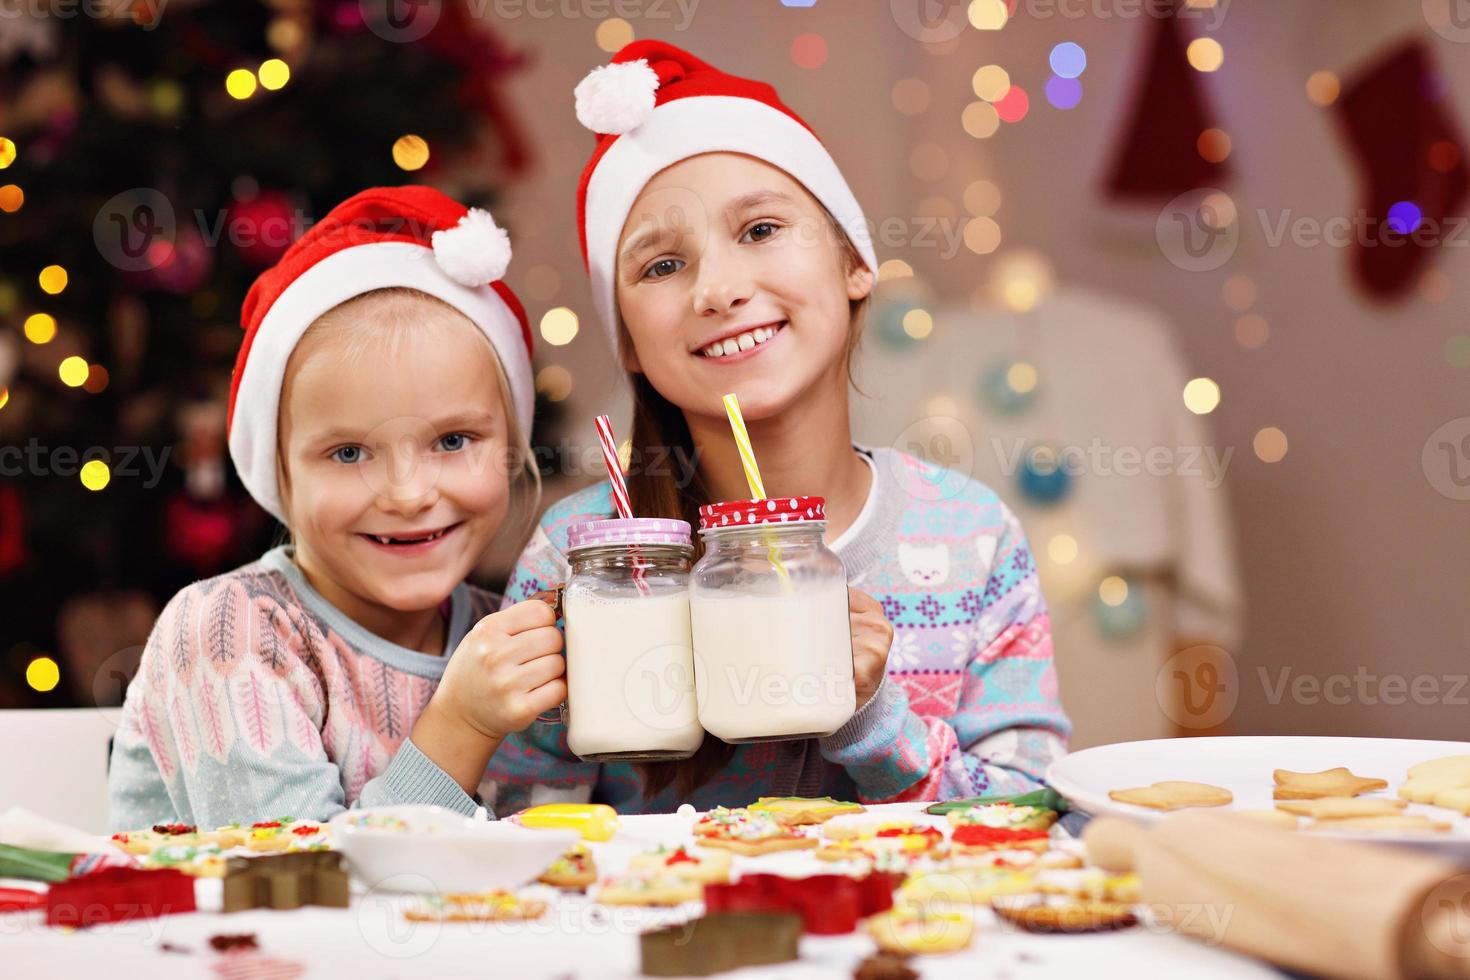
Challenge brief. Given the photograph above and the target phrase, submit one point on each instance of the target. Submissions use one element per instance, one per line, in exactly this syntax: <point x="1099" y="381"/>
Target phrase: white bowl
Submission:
<point x="439" y="850"/>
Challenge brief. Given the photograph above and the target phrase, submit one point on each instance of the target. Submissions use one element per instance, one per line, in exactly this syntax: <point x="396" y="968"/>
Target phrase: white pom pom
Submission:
<point x="475" y="251"/>
<point x="686" y="810"/>
<point x="616" y="98"/>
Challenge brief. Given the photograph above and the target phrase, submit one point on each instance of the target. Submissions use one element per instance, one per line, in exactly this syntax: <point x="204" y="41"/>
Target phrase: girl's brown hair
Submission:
<point x="659" y="427"/>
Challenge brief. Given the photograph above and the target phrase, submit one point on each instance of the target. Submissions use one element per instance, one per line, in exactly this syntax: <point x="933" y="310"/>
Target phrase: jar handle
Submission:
<point x="553" y="597"/>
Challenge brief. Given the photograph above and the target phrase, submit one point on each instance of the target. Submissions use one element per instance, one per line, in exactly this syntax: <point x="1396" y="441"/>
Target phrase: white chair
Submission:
<point x="54" y="763"/>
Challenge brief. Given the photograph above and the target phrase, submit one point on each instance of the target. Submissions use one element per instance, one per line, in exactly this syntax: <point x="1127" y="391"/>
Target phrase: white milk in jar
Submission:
<point x="630" y="671"/>
<point x="772" y="637"/>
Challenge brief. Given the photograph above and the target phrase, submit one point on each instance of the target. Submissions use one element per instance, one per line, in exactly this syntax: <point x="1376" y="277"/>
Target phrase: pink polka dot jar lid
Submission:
<point x="778" y="510"/>
<point x="629" y="531"/>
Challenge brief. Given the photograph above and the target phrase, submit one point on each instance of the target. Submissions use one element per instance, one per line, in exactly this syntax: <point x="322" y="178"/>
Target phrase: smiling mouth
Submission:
<point x="742" y="342"/>
<point x="410" y="539"/>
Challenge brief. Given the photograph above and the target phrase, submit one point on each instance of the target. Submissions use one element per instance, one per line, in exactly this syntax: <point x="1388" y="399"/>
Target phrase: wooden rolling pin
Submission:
<point x="1328" y="907"/>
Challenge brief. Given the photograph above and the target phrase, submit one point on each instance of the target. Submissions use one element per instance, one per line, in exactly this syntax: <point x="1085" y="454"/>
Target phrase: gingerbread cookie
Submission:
<point x="1068" y="917"/>
<point x="748" y="832"/>
<point x="1341" y="807"/>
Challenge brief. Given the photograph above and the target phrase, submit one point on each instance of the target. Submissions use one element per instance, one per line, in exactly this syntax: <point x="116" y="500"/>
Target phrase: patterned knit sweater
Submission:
<point x="969" y="704"/>
<point x="256" y="697"/>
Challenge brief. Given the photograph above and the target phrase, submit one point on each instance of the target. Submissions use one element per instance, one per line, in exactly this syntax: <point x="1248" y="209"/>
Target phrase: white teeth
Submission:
<point x="741" y="342"/>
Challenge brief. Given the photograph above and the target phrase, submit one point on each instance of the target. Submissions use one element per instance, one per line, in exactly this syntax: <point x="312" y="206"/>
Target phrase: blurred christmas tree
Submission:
<point x="155" y="159"/>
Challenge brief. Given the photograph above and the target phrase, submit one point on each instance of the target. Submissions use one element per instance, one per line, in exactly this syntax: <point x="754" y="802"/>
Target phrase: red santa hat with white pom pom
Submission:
<point x="414" y="237"/>
<point x="655" y="105"/>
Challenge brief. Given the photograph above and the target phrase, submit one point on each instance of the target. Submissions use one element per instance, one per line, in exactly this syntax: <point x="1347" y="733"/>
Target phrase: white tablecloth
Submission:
<point x="576" y="938"/>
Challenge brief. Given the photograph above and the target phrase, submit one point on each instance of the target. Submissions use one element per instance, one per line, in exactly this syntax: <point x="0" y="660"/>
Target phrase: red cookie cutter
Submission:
<point x="118" y="895"/>
<point x="829" y="905"/>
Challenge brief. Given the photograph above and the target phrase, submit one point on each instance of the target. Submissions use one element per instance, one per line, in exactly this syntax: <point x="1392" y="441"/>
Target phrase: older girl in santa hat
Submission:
<point x="727" y="254"/>
<point x="380" y="408"/>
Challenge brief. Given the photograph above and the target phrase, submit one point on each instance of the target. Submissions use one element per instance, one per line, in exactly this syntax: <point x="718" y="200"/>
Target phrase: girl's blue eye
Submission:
<point x="348" y="454"/>
<point x="663" y="268"/>
<point x="760" y="231"/>
<point x="454" y="442"/>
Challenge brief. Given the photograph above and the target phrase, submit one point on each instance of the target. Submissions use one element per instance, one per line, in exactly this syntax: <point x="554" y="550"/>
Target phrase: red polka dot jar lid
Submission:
<point x="628" y="531"/>
<point x="777" y="510"/>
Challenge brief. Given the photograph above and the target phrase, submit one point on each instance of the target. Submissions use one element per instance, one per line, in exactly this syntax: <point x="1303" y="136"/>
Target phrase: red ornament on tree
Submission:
<point x="261" y="228"/>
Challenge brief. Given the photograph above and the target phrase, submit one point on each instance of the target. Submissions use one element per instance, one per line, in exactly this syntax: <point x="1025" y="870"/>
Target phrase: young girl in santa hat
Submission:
<point x="380" y="408"/>
<point x="727" y="254"/>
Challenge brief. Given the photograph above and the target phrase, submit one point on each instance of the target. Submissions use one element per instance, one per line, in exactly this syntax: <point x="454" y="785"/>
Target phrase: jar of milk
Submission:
<point x="772" y="641"/>
<point x="630" y="666"/>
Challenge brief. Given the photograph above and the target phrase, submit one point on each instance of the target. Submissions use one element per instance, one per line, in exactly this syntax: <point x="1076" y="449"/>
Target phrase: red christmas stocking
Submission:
<point x="1395" y="117"/>
<point x="1159" y="157"/>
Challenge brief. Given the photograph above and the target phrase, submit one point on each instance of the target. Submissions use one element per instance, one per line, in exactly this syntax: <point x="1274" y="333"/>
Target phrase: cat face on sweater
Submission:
<point x="924" y="564"/>
<point x="393" y="441"/>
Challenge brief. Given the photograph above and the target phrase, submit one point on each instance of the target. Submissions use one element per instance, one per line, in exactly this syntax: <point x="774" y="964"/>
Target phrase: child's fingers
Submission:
<point x="528" y="615"/>
<point x="535" y="643"/>
<point x="859" y="602"/>
<point x="537" y="672"/>
<point x="546" y="697"/>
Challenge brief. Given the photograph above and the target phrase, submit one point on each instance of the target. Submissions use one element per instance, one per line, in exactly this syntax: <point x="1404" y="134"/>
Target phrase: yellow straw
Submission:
<point x="742" y="442"/>
<point x="752" y="474"/>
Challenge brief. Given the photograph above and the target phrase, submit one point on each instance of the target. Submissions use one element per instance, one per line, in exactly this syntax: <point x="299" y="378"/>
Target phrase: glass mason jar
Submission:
<point x="630" y="665"/>
<point x="772" y="640"/>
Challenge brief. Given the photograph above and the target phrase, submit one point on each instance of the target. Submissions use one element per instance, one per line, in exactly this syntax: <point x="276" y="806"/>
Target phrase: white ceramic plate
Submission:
<point x="1243" y="765"/>
<point x="438" y="850"/>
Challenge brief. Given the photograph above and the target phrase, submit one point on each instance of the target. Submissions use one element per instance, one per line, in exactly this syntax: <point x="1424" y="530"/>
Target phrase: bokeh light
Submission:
<point x="980" y="120"/>
<point x="555" y="382"/>
<point x="1239" y="293"/>
<point x="613" y="34"/>
<point x="97" y="379"/>
<point x="982" y="235"/>
<point x="1404" y="217"/>
<point x="240" y="83"/>
<point x="1062" y="548"/>
<point x="894" y="269"/>
<point x="809" y="51"/>
<point x="1021" y="377"/>
<point x="1323" y="88"/>
<point x="918" y="323"/>
<point x="1014" y="105"/>
<point x="1205" y="54"/>
<point x="1214" y="145"/>
<point x="982" y="198"/>
<point x="1252" y="331"/>
<point x="1270" y="445"/>
<point x="910" y="96"/>
<point x="1064" y="93"/>
<point x="1023" y="279"/>
<point x="559" y="326"/>
<point x="929" y="161"/>
<point x="410" y="152"/>
<point x="4" y="397"/>
<point x="1113" y="591"/>
<point x="95" y="475"/>
<point x="7" y="152"/>
<point x="1068" y="60"/>
<point x="988" y="15"/>
<point x="73" y="371"/>
<point x="274" y="74"/>
<point x="43" y="674"/>
<point x="1201" y="396"/>
<point x="40" y="328"/>
<point x="991" y="82"/>
<point x="11" y="198"/>
<point x="1444" y="156"/>
<point x="53" y="279"/>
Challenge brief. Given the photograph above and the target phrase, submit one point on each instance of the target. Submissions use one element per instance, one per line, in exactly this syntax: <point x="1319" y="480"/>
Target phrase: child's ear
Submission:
<point x="859" y="282"/>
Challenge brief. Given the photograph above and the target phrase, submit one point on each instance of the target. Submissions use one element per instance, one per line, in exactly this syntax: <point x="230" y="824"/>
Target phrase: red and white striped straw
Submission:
<point x="614" y="468"/>
<point x="620" y="494"/>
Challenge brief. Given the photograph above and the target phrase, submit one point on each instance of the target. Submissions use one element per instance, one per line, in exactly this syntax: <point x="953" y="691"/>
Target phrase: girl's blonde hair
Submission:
<point x="388" y="317"/>
<point x="660" y="424"/>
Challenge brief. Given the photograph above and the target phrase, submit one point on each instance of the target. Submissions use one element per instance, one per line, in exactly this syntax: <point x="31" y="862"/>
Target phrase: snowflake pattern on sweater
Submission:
<point x="254" y="697"/>
<point x="970" y="703"/>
